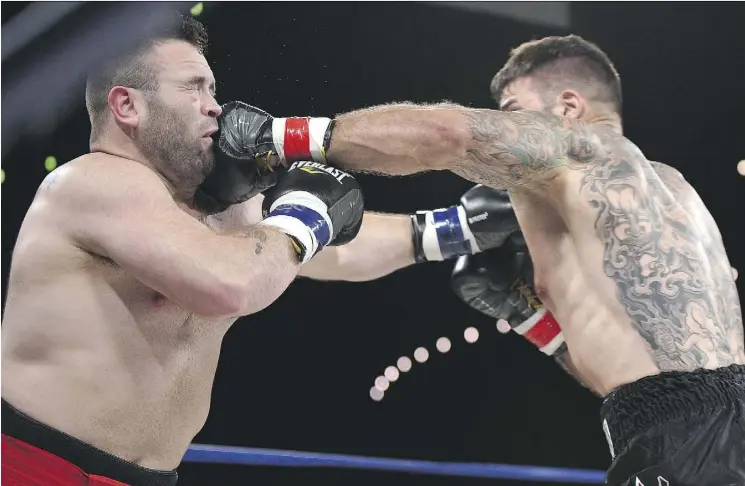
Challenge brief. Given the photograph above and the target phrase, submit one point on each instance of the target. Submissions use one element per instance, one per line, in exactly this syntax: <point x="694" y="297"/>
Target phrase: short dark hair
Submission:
<point x="134" y="70"/>
<point x="554" y="60"/>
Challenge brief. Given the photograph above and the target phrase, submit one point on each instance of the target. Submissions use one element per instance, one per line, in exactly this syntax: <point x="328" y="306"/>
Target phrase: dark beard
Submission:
<point x="184" y="163"/>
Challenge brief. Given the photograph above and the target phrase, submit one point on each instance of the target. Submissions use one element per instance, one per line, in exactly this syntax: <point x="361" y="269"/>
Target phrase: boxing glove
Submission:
<point x="499" y="283"/>
<point x="484" y="219"/>
<point x="238" y="174"/>
<point x="281" y="140"/>
<point x="316" y="205"/>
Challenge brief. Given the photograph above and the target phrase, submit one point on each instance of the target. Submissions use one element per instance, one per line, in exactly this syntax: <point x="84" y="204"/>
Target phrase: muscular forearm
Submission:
<point x="255" y="265"/>
<point x="497" y="149"/>
<point x="383" y="245"/>
<point x="399" y="139"/>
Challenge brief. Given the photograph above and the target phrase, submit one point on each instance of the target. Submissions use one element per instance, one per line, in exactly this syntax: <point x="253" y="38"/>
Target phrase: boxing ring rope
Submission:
<point x="214" y="454"/>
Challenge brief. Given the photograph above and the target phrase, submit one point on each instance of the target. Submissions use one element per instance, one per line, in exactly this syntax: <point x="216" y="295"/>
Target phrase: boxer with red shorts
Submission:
<point x="146" y="251"/>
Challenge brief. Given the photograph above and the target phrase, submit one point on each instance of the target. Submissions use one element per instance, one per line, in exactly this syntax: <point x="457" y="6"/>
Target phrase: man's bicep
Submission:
<point x="108" y="214"/>
<point x="520" y="148"/>
<point x="128" y="216"/>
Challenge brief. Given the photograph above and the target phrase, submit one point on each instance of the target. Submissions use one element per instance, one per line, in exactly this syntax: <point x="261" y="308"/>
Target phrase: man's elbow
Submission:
<point x="445" y="140"/>
<point x="227" y="299"/>
<point x="218" y="300"/>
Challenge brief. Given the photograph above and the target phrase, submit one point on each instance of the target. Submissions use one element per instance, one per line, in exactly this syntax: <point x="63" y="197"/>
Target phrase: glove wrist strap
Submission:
<point x="304" y="218"/>
<point x="543" y="331"/>
<point x="303" y="138"/>
<point x="442" y="234"/>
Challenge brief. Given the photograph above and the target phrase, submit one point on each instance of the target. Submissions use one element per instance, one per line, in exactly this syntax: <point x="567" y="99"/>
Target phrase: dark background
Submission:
<point x="297" y="376"/>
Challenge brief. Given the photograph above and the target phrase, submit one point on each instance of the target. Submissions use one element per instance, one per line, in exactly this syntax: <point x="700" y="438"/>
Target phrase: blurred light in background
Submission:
<point x="443" y="345"/>
<point x="391" y="373"/>
<point x="197" y="9"/>
<point x="381" y="383"/>
<point x="50" y="163"/>
<point x="421" y="355"/>
<point x="471" y="334"/>
<point x="403" y="364"/>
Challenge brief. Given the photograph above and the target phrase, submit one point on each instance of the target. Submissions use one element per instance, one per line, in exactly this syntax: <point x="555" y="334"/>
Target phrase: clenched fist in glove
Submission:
<point x="283" y="140"/>
<point x="238" y="174"/>
<point x="499" y="283"/>
<point x="316" y="205"/>
<point x="483" y="219"/>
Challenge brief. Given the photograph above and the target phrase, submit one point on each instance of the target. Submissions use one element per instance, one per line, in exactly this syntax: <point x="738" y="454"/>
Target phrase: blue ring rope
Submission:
<point x="204" y="453"/>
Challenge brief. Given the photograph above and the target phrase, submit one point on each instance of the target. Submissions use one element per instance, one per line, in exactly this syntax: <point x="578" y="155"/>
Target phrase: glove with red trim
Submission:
<point x="284" y="139"/>
<point x="499" y="283"/>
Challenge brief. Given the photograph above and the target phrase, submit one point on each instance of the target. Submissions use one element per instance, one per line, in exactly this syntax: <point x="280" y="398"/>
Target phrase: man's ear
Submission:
<point x="125" y="105"/>
<point x="571" y="104"/>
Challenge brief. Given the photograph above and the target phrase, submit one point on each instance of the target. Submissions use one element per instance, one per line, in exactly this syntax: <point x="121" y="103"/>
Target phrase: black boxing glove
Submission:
<point x="316" y="205"/>
<point x="237" y="175"/>
<point x="285" y="140"/>
<point x="499" y="283"/>
<point x="484" y="219"/>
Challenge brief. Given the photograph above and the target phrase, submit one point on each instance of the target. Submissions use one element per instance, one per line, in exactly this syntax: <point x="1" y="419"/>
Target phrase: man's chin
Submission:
<point x="205" y="168"/>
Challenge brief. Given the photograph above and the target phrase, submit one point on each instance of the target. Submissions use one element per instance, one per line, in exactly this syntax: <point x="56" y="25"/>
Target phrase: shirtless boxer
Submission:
<point x="649" y="312"/>
<point x="120" y="292"/>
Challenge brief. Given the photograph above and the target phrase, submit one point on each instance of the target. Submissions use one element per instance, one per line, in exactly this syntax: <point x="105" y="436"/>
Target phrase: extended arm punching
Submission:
<point x="389" y="242"/>
<point x="386" y="242"/>
<point x="497" y="149"/>
<point x="383" y="245"/>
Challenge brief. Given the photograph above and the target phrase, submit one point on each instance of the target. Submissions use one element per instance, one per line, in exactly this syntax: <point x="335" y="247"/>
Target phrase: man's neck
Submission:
<point x="611" y="120"/>
<point x="185" y="195"/>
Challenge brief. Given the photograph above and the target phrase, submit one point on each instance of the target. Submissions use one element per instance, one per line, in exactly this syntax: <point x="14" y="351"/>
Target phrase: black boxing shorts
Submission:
<point x="678" y="429"/>
<point x="34" y="454"/>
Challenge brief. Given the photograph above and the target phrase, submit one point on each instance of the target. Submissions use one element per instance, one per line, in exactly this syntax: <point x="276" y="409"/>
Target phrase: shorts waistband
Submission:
<point x="88" y="458"/>
<point x="635" y="408"/>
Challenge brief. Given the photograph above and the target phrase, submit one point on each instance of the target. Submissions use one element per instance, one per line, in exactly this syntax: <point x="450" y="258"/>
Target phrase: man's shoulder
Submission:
<point x="96" y="175"/>
<point x="106" y="166"/>
<point x="664" y="170"/>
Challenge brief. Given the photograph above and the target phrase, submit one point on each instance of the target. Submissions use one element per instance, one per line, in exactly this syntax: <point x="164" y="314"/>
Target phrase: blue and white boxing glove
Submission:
<point x="316" y="205"/>
<point x="484" y="219"/>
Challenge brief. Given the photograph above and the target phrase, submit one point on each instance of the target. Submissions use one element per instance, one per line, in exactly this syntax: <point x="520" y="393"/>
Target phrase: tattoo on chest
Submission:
<point x="669" y="281"/>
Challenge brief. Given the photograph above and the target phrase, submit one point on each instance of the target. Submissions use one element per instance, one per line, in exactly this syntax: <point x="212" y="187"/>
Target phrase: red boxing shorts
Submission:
<point x="26" y="465"/>
<point x="34" y="454"/>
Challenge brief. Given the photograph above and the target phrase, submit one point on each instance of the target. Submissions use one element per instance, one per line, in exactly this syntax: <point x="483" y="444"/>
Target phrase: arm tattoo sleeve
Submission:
<point x="511" y="149"/>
